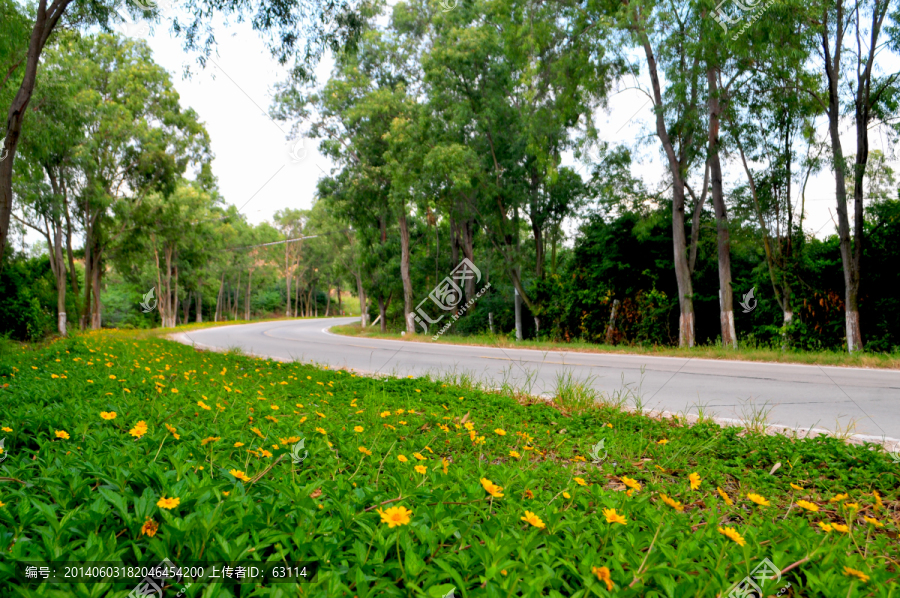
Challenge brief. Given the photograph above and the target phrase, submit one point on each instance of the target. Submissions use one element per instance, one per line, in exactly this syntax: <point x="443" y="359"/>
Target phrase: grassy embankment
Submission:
<point x="834" y="358"/>
<point x="493" y="494"/>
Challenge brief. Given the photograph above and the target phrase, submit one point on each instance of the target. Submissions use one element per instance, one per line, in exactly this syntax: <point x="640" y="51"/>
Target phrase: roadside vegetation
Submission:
<point x="711" y="351"/>
<point x="121" y="445"/>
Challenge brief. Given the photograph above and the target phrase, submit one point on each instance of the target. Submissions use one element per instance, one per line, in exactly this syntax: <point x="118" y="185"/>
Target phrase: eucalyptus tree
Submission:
<point x="139" y="140"/>
<point x="665" y="35"/>
<point x="511" y="78"/>
<point x="297" y="31"/>
<point x="861" y="37"/>
<point x="771" y="123"/>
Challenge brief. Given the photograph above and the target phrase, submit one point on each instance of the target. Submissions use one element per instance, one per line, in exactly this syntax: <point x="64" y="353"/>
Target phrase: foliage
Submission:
<point x="86" y="496"/>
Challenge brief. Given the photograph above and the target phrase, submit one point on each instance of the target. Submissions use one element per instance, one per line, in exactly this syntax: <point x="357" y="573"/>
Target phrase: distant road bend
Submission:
<point x="800" y="396"/>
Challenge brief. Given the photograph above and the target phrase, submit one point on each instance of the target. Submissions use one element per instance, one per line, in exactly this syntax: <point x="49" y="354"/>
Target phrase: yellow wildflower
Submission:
<point x="395" y="516"/>
<point x="733" y="535"/>
<point x="533" y="520"/>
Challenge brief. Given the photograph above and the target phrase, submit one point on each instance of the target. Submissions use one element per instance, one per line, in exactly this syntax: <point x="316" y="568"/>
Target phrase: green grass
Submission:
<point x="86" y="497"/>
<point x="834" y="358"/>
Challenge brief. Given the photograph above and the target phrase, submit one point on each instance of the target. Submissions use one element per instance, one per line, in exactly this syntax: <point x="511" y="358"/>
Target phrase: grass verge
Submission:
<point x="833" y="358"/>
<point x="412" y="487"/>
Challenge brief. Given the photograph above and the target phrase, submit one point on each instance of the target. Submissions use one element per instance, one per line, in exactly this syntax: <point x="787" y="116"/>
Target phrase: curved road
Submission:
<point x="800" y="396"/>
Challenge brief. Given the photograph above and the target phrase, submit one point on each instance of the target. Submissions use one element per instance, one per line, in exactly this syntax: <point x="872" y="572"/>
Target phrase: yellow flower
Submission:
<point x="395" y="516"/>
<point x="533" y="520"/>
<point x="265" y="453"/>
<point x="6" y="429"/>
<point x="663" y="441"/>
<point x="203" y="405"/>
<point x="724" y="496"/>
<point x="322" y="415"/>
<point x="581" y="482"/>
<point x="796" y="487"/>
<point x="566" y="495"/>
<point x="139" y="429"/>
<point x="878" y="503"/>
<point x="852" y="505"/>
<point x="274" y="407"/>
<point x="237" y="473"/>
<point x="602" y="574"/>
<point x="112" y="377"/>
<point x="149" y="528"/>
<point x="873" y="521"/>
<point x="805" y="504"/>
<point x="825" y="526"/>
<point x="365" y="451"/>
<point x="402" y="458"/>
<point x="500" y="432"/>
<point x="514" y="455"/>
<point x="238" y="444"/>
<point x="168" y="503"/>
<point x="838" y="498"/>
<point x="62" y="434"/>
<point x="759" y="500"/>
<point x="733" y="535"/>
<point x="839" y="527"/>
<point x="257" y="432"/>
<point x="672" y="503"/>
<point x="321" y="431"/>
<point x="108" y="414"/>
<point x="358" y="429"/>
<point x="206" y="441"/>
<point x="633" y="484"/>
<point x="854" y="573"/>
<point x="225" y="493"/>
<point x="492" y="488"/>
<point x="446" y="464"/>
<point x="695" y="480"/>
<point x="422" y="469"/>
<point x="613" y="517"/>
<point x="419" y="456"/>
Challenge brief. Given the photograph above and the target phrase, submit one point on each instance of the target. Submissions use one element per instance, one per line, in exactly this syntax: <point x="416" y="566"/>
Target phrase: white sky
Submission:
<point x="257" y="173"/>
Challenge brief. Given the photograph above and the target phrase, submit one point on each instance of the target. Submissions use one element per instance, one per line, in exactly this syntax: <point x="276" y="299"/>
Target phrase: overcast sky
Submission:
<point x="258" y="173"/>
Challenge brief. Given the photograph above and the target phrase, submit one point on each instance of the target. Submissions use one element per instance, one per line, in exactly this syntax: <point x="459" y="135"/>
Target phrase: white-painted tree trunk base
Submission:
<point x="727" y="321"/>
<point x="61" y="323"/>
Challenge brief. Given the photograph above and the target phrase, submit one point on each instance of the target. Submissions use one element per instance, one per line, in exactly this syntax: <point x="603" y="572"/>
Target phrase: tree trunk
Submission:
<point x="219" y="299"/>
<point x="682" y="269"/>
<point x="95" y="276"/>
<point x="726" y="298"/>
<point x="247" y="298"/>
<point x="361" y="293"/>
<point x="382" y="310"/>
<point x="199" y="316"/>
<point x="851" y="274"/>
<point x="45" y="21"/>
<point x="611" y="328"/>
<point x="186" y="312"/>
<point x="408" y="313"/>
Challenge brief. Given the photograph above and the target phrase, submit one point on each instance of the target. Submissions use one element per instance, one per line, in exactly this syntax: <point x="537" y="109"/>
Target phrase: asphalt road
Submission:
<point x="800" y="396"/>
